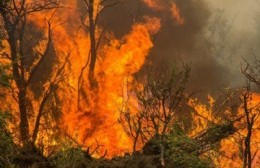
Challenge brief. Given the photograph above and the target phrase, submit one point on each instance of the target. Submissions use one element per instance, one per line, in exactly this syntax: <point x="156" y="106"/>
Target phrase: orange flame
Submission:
<point x="154" y="4"/>
<point x="230" y="148"/>
<point x="176" y="14"/>
<point x="121" y="60"/>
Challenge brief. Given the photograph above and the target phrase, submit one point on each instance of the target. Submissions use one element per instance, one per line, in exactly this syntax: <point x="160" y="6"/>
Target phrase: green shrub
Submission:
<point x="71" y="157"/>
<point x="179" y="150"/>
<point x="6" y="142"/>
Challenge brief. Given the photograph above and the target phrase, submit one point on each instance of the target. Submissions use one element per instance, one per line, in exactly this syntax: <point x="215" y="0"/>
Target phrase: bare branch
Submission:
<point x="37" y="6"/>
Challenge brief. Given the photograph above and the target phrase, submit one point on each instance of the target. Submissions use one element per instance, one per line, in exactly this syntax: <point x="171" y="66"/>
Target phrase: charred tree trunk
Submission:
<point x="94" y="9"/>
<point x="93" y="51"/>
<point x="40" y="114"/>
<point x="17" y="70"/>
<point x="250" y="123"/>
<point x="24" y="124"/>
<point x="14" y="15"/>
<point x="22" y="88"/>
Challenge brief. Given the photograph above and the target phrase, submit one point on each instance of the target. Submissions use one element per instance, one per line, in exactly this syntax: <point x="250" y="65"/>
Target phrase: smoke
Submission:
<point x="206" y="34"/>
<point x="241" y="37"/>
<point x="215" y="37"/>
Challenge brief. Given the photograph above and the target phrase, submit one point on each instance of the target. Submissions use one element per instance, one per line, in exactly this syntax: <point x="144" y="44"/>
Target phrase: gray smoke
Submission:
<point x="215" y="37"/>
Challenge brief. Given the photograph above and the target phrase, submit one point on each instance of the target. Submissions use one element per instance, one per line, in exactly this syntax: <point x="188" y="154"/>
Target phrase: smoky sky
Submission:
<point x="215" y="38"/>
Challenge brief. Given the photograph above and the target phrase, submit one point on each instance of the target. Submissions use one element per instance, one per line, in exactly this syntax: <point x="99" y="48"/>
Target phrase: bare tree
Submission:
<point x="94" y="9"/>
<point x="158" y="103"/>
<point x="15" y="15"/>
<point x="251" y="113"/>
<point x="252" y="72"/>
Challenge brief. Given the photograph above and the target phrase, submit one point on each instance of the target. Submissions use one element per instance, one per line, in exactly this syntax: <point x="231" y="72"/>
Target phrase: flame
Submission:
<point x="175" y="10"/>
<point x="230" y="148"/>
<point x="154" y="4"/>
<point x="203" y="115"/>
<point x="98" y="122"/>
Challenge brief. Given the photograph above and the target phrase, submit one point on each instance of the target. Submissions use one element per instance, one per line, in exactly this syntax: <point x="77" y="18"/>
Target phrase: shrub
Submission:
<point x="6" y="142"/>
<point x="71" y="157"/>
<point x="179" y="150"/>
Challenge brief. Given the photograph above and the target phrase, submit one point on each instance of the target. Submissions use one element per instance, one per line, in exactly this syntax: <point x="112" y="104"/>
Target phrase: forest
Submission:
<point x="129" y="84"/>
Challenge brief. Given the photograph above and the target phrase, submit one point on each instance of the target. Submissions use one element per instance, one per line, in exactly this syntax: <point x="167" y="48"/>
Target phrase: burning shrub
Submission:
<point x="158" y="102"/>
<point x="216" y="133"/>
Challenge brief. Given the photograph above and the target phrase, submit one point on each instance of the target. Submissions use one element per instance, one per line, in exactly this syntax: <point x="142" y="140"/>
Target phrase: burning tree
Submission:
<point x="158" y="101"/>
<point x="252" y="74"/>
<point x="251" y="115"/>
<point x="94" y="9"/>
<point x="27" y="51"/>
<point x="238" y="136"/>
<point x="153" y="120"/>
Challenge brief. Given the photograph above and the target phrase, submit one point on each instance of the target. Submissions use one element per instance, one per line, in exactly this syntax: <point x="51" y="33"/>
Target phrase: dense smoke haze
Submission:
<point x="215" y="38"/>
<point x="242" y="37"/>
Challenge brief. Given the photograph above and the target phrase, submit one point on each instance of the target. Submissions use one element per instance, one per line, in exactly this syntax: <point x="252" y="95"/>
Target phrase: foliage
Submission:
<point x="6" y="142"/>
<point x="158" y="102"/>
<point x="4" y="76"/>
<point x="179" y="150"/>
<point x="71" y="157"/>
<point x="216" y="133"/>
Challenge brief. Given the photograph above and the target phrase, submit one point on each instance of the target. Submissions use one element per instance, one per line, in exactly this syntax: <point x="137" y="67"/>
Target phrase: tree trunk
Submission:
<point x="24" y="125"/>
<point x="21" y="85"/>
<point x="250" y="123"/>
<point x="93" y="51"/>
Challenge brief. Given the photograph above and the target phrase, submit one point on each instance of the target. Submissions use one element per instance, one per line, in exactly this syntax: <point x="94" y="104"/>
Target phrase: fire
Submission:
<point x="173" y="9"/>
<point x="154" y="4"/>
<point x="203" y="115"/>
<point x="98" y="121"/>
<point x="176" y="14"/>
<point x="95" y="123"/>
<point x="230" y="148"/>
